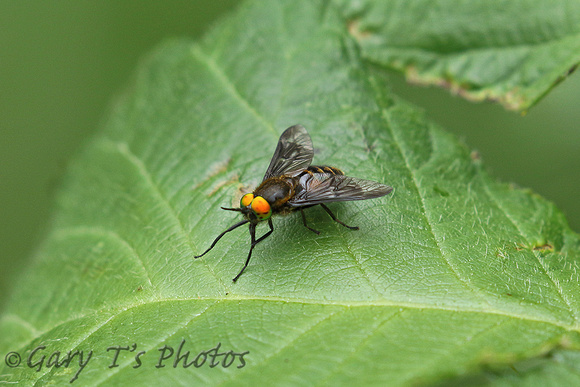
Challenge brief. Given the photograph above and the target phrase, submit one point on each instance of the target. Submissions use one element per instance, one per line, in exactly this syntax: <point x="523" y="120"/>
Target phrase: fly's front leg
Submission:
<point x="254" y="243"/>
<point x="334" y="217"/>
<point x="266" y="235"/>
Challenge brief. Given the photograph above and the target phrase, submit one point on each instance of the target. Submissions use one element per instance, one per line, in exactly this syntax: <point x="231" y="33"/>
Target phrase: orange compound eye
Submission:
<point x="246" y="200"/>
<point x="261" y="208"/>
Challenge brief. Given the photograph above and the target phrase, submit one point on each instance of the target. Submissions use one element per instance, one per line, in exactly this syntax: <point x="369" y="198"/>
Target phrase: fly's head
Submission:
<point x="255" y="208"/>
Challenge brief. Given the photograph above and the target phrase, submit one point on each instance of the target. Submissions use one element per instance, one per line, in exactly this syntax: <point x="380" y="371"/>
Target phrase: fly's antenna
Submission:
<point x="221" y="235"/>
<point x="232" y="209"/>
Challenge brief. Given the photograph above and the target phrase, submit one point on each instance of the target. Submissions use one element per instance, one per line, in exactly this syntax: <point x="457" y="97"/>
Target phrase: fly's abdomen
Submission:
<point x="324" y="169"/>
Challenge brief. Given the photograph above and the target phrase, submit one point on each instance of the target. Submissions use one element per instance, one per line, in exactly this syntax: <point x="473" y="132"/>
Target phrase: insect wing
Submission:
<point x="325" y="187"/>
<point x="293" y="154"/>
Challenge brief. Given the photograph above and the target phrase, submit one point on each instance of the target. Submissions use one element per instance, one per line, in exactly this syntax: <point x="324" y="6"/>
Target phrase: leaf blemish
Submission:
<point x="244" y="189"/>
<point x="440" y="191"/>
<point x="213" y="170"/>
<point x="234" y="179"/>
<point x="544" y="247"/>
<point x="354" y="30"/>
<point x="500" y="254"/>
<point x="219" y="167"/>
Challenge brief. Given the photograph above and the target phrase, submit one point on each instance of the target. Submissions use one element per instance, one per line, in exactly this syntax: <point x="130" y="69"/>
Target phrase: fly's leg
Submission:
<point x="334" y="217"/>
<point x="305" y="225"/>
<point x="221" y="235"/>
<point x="254" y="243"/>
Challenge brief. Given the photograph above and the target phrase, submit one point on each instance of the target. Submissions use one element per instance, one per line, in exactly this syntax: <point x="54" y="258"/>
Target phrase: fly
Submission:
<point x="292" y="184"/>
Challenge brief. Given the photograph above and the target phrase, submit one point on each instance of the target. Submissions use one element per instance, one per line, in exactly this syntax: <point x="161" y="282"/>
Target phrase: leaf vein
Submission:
<point x="296" y="338"/>
<point x="156" y="345"/>
<point x="73" y="232"/>
<point x="424" y="214"/>
<point x="360" y="345"/>
<point x="229" y="86"/>
<point x="124" y="150"/>
<point x="547" y="272"/>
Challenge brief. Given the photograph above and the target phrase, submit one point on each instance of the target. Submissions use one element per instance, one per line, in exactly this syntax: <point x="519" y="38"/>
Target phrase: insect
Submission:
<point x="292" y="184"/>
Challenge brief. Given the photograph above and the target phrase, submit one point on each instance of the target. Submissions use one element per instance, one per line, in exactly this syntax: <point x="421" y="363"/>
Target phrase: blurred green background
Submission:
<point x="62" y="62"/>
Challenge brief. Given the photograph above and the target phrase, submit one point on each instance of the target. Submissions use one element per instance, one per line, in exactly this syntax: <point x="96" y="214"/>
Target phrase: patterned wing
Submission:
<point x="293" y="154"/>
<point x="319" y="188"/>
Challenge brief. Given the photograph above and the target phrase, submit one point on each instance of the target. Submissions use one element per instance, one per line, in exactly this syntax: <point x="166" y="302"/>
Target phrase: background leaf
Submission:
<point x="510" y="51"/>
<point x="451" y="275"/>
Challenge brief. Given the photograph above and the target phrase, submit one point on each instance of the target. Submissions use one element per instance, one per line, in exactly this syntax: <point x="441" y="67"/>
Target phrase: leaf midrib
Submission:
<point x="469" y="50"/>
<point x="305" y="301"/>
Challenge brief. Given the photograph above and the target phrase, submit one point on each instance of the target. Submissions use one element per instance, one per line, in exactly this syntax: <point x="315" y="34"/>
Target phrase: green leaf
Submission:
<point x="512" y="51"/>
<point x="452" y="277"/>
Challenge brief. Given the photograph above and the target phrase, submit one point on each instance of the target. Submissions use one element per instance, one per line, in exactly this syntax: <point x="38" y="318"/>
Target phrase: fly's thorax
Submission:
<point x="276" y="190"/>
